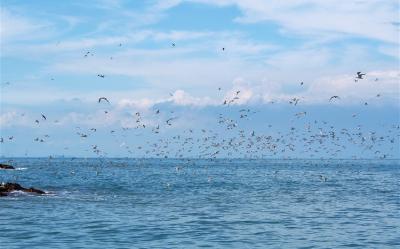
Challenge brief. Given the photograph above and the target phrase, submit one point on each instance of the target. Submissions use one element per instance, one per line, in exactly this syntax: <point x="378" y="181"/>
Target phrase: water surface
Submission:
<point x="152" y="203"/>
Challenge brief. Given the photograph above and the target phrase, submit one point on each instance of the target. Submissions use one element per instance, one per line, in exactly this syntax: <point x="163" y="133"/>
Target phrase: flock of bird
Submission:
<point x="231" y="139"/>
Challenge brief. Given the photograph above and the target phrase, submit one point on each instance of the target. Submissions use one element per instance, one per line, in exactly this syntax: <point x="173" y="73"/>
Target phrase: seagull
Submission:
<point x="300" y="114"/>
<point x="334" y="97"/>
<point x="323" y="178"/>
<point x="103" y="98"/>
<point x="294" y="101"/>
<point x="169" y="120"/>
<point x="360" y="75"/>
<point x="44" y="117"/>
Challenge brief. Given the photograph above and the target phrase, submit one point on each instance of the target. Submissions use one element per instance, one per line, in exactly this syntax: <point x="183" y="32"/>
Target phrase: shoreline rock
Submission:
<point x="6" y="166"/>
<point x="6" y="188"/>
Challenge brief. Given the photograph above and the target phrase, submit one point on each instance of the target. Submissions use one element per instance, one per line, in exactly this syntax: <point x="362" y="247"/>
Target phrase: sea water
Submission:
<point x="167" y="203"/>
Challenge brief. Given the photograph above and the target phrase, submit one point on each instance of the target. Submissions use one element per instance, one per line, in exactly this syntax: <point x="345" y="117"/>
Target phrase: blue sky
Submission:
<point x="270" y="47"/>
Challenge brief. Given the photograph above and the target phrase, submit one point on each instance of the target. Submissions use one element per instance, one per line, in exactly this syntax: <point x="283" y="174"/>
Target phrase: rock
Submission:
<point x="6" y="188"/>
<point x="6" y="166"/>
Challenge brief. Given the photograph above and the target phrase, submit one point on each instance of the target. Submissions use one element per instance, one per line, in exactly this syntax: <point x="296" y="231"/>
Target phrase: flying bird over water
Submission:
<point x="334" y="97"/>
<point x="299" y="114"/>
<point x="101" y="75"/>
<point x="294" y="101"/>
<point x="169" y="121"/>
<point x="360" y="75"/>
<point x="103" y="98"/>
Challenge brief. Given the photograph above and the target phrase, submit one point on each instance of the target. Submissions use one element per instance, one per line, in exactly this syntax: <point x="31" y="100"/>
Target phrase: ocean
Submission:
<point x="190" y="203"/>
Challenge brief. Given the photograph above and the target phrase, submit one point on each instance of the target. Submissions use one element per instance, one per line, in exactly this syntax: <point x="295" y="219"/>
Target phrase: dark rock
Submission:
<point x="6" y="188"/>
<point x="6" y="166"/>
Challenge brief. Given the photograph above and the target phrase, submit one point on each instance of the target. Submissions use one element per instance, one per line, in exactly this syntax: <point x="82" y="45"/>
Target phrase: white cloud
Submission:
<point x="14" y="27"/>
<point x="7" y="118"/>
<point x="180" y="97"/>
<point x="371" y="19"/>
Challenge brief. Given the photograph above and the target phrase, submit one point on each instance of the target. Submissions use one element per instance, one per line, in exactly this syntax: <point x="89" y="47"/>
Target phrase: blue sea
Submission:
<point x="166" y="203"/>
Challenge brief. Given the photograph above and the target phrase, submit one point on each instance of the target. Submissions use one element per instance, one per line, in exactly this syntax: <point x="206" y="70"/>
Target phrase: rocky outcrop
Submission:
<point x="6" y="166"/>
<point x="6" y="188"/>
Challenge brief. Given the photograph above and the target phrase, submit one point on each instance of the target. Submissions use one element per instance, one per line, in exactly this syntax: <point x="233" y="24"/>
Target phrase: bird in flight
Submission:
<point x="299" y="114"/>
<point x="103" y="98"/>
<point x="169" y="121"/>
<point x="44" y="117"/>
<point x="101" y="75"/>
<point x="173" y="44"/>
<point x="360" y="75"/>
<point x="294" y="101"/>
<point x="334" y="97"/>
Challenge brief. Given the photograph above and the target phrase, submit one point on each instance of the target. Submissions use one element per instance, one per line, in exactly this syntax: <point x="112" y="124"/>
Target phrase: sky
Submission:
<point x="185" y="58"/>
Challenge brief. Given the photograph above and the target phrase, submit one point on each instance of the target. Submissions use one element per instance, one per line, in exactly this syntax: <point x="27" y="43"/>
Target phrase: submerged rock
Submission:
<point x="6" y="166"/>
<point x="6" y="188"/>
